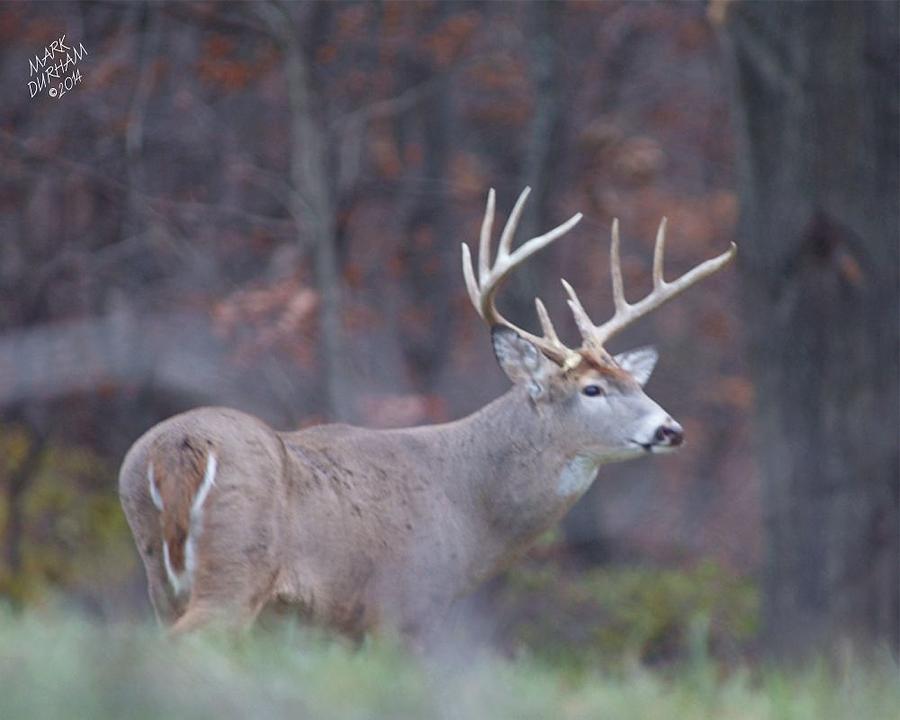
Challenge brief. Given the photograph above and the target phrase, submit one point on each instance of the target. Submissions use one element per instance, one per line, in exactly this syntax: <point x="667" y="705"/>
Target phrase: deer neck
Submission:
<point x="520" y="477"/>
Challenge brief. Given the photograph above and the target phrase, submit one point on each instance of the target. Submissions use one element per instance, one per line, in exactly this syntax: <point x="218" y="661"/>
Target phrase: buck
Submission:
<point x="363" y="529"/>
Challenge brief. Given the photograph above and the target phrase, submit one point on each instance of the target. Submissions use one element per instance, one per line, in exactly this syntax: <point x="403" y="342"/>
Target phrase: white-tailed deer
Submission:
<point x="364" y="528"/>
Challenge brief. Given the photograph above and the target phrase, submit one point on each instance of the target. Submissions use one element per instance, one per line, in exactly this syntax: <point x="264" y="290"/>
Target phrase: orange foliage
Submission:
<point x="11" y="20"/>
<point x="326" y="54"/>
<point x="734" y="390"/>
<point x="468" y="176"/>
<point x="281" y="315"/>
<point x="449" y="39"/>
<point x="351" y="22"/>
<point x="353" y="275"/>
<point x="218" y="47"/>
<point x="229" y="74"/>
<point x="222" y="64"/>
<point x="384" y="152"/>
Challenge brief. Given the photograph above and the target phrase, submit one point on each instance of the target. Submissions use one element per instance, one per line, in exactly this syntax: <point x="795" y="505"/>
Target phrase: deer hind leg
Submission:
<point x="235" y="557"/>
<point x="235" y="576"/>
<point x="142" y="520"/>
<point x="197" y="615"/>
<point x="232" y="610"/>
<point x="166" y="605"/>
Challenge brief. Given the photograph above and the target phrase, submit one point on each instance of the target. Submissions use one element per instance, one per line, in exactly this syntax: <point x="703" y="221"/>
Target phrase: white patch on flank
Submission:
<point x="154" y="491"/>
<point x="182" y="582"/>
<point x="576" y="477"/>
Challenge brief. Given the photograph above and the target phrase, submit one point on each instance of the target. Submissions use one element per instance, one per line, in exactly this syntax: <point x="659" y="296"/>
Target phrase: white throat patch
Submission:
<point x="576" y="477"/>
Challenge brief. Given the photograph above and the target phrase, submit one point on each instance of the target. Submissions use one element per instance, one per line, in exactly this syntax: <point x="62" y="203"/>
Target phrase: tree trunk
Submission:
<point x="431" y="251"/>
<point x="313" y="182"/>
<point x="544" y="147"/>
<point x="816" y="115"/>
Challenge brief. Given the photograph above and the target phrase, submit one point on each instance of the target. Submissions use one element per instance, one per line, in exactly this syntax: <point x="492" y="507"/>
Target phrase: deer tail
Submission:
<point x="180" y="479"/>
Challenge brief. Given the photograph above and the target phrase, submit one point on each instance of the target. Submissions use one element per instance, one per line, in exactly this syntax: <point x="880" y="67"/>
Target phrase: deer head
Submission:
<point x="591" y="398"/>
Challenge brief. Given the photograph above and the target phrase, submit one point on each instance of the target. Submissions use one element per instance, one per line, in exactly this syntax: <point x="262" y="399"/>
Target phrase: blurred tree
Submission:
<point x="430" y="250"/>
<point x="545" y="141"/>
<point x="817" y="123"/>
<point x="312" y="175"/>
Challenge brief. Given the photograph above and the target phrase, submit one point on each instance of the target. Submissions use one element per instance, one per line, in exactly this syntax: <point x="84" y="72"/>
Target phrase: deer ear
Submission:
<point x="522" y="362"/>
<point x="639" y="362"/>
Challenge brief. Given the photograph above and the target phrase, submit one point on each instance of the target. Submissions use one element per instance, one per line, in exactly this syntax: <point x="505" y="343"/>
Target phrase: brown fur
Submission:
<point x="178" y="473"/>
<point x="361" y="529"/>
<point x="605" y="365"/>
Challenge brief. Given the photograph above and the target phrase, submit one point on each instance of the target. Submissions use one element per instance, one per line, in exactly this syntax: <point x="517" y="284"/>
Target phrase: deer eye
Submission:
<point x="592" y="390"/>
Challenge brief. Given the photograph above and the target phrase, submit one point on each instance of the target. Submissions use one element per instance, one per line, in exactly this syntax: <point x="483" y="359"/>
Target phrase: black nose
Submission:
<point x="670" y="434"/>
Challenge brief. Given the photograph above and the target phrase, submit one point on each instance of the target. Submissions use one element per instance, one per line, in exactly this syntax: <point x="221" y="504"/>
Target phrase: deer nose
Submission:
<point x="669" y="433"/>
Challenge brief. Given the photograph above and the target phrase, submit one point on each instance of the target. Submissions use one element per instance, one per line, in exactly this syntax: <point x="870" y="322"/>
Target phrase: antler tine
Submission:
<point x="615" y="268"/>
<point x="659" y="250"/>
<point x="546" y="324"/>
<point x="469" y="275"/>
<point x="490" y="277"/>
<point x="663" y="291"/>
<point x="512" y="223"/>
<point x="484" y="247"/>
<point x="582" y="320"/>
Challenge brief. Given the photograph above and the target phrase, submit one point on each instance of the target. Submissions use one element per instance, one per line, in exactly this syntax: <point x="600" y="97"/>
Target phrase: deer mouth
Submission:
<point x="646" y="447"/>
<point x="654" y="447"/>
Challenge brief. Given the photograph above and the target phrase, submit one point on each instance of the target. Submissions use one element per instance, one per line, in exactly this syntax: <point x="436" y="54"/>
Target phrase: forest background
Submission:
<point x="261" y="205"/>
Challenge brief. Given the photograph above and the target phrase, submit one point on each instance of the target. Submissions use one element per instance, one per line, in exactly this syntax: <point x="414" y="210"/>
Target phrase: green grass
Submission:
<point x="606" y="616"/>
<point x="65" y="667"/>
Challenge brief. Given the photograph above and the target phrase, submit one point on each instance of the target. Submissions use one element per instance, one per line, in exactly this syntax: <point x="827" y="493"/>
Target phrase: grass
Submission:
<point x="604" y="617"/>
<point x="66" y="667"/>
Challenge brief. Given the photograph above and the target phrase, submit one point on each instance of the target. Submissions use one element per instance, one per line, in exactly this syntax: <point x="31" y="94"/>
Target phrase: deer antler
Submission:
<point x="626" y="313"/>
<point x="483" y="292"/>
